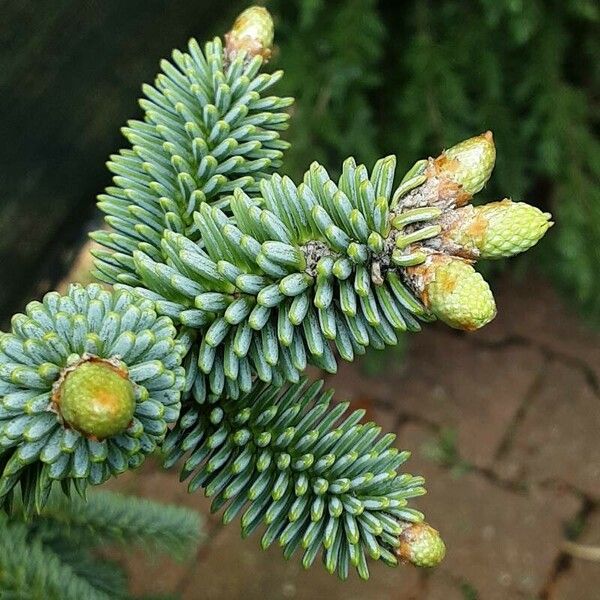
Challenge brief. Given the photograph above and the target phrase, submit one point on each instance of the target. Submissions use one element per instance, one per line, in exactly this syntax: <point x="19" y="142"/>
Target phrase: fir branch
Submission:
<point x="209" y="128"/>
<point x="253" y="289"/>
<point x="89" y="382"/>
<point x="286" y="458"/>
<point x="53" y="554"/>
<point x="31" y="571"/>
<point x="109" y="518"/>
<point x="345" y="262"/>
<point x="269" y="289"/>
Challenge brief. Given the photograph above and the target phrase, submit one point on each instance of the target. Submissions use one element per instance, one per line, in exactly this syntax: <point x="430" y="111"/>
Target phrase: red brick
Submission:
<point x="234" y="568"/>
<point x="558" y="437"/>
<point x="447" y="381"/>
<point x="502" y="543"/>
<point x="582" y="580"/>
<point x="443" y="587"/>
<point x="533" y="309"/>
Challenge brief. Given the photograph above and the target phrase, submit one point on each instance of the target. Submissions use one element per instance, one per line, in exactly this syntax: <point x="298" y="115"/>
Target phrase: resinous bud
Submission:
<point x="495" y="230"/>
<point x="469" y="164"/>
<point x="421" y="545"/>
<point x="453" y="291"/>
<point x="511" y="228"/>
<point x="95" y="398"/>
<point x="252" y="33"/>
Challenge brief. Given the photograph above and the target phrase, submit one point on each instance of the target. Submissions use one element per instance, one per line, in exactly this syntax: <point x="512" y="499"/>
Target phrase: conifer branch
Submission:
<point x="286" y="458"/>
<point x="348" y="263"/>
<point x="89" y="350"/>
<point x="209" y="129"/>
<point x="53" y="555"/>
<point x="31" y="571"/>
<point x="111" y="518"/>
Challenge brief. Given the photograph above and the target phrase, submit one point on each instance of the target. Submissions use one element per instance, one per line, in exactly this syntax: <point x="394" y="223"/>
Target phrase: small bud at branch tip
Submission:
<point x="453" y="291"/>
<point x="469" y="163"/>
<point x="252" y="33"/>
<point x="421" y="545"/>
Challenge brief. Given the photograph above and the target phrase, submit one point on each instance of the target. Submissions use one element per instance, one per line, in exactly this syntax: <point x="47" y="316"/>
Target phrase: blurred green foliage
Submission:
<point x="413" y="77"/>
<point x="59" y="554"/>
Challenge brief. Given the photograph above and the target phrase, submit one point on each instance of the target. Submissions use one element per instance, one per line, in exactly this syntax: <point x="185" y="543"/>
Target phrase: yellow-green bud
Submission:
<point x="468" y="164"/>
<point x="511" y="228"/>
<point x="96" y="398"/>
<point x="495" y="230"/>
<point x="421" y="545"/>
<point x="453" y="291"/>
<point x="252" y="33"/>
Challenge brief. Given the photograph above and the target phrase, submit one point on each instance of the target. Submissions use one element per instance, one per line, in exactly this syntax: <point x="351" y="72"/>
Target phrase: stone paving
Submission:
<point x="504" y="424"/>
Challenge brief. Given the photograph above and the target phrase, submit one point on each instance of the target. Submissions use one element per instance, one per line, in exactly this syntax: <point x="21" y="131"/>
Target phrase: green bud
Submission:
<point x="453" y="291"/>
<point x="468" y="164"/>
<point x="511" y="228"/>
<point x="95" y="398"/>
<point x="421" y="545"/>
<point x="495" y="230"/>
<point x="252" y="33"/>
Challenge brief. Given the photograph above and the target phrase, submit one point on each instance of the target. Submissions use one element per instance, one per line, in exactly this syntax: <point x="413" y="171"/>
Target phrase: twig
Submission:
<point x="582" y="551"/>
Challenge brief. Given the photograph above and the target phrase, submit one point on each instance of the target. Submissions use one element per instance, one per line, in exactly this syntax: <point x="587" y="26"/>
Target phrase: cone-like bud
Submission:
<point x="495" y="230"/>
<point x="469" y="164"/>
<point x="510" y="228"/>
<point x="96" y="398"/>
<point x="251" y="33"/>
<point x="421" y="545"/>
<point x="453" y="291"/>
